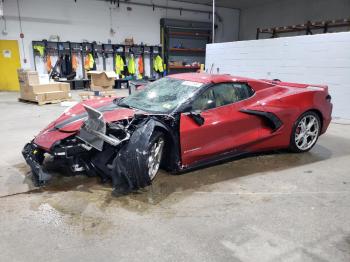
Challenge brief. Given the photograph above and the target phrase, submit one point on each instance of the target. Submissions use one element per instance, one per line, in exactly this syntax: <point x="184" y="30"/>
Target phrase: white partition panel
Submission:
<point x="314" y="59"/>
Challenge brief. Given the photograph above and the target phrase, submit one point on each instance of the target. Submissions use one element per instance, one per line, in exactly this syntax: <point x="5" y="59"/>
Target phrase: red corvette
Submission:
<point x="180" y="122"/>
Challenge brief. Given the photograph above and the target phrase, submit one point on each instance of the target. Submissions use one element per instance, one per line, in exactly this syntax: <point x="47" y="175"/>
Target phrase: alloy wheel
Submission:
<point x="155" y="158"/>
<point x="307" y="132"/>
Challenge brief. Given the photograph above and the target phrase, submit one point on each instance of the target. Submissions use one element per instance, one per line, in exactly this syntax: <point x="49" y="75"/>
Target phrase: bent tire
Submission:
<point x="155" y="153"/>
<point x="305" y="132"/>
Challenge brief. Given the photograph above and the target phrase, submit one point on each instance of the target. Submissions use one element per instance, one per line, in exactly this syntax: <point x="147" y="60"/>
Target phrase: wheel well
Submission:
<point x="319" y="115"/>
<point x="162" y="130"/>
<point x="171" y="156"/>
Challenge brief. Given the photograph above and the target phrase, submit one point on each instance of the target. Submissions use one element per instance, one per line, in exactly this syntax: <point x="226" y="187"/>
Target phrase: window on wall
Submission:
<point x="221" y="95"/>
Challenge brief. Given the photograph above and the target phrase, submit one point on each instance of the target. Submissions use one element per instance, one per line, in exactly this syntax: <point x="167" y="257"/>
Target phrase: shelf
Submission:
<point x="307" y="27"/>
<point x="184" y="42"/>
<point x="183" y="67"/>
<point x="189" y="34"/>
<point x="190" y="50"/>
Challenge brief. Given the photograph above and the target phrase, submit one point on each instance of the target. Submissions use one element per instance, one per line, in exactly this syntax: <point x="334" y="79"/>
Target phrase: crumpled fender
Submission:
<point x="130" y="167"/>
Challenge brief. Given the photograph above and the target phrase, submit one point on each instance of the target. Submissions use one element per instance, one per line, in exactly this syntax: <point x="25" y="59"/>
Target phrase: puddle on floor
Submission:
<point x="87" y="202"/>
<point x="22" y="168"/>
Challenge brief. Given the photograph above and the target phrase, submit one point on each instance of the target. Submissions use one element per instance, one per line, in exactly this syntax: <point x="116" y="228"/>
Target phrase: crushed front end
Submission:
<point x="114" y="150"/>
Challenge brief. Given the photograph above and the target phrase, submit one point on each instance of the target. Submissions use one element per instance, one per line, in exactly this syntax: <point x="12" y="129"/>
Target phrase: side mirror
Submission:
<point x="196" y="116"/>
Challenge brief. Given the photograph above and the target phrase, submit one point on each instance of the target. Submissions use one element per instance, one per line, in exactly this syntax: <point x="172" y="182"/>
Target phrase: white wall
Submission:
<point x="90" y="20"/>
<point x="316" y="59"/>
<point x="290" y="12"/>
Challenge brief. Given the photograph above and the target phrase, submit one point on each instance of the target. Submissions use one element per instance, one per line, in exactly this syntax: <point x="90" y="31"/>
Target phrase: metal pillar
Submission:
<point x="213" y="30"/>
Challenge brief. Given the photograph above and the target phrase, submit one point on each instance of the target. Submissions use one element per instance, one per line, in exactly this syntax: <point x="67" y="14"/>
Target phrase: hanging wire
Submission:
<point x="20" y="27"/>
<point x="110" y="17"/>
<point x="4" y="32"/>
<point x="2" y="17"/>
<point x="166" y="9"/>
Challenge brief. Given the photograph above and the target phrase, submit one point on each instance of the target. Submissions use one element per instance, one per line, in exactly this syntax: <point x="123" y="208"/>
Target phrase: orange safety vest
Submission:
<point x="141" y="70"/>
<point x="74" y="63"/>
<point x="87" y="62"/>
<point x="48" y="63"/>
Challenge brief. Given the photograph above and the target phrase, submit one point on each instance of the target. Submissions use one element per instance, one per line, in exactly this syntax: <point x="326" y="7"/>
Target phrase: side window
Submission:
<point x="221" y="95"/>
<point x="244" y="90"/>
<point x="225" y="94"/>
<point x="205" y="101"/>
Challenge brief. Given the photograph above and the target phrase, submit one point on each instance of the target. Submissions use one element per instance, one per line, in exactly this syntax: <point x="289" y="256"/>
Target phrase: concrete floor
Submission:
<point x="276" y="207"/>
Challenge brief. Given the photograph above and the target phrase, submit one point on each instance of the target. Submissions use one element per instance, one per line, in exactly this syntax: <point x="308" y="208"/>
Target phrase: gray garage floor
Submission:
<point x="276" y="207"/>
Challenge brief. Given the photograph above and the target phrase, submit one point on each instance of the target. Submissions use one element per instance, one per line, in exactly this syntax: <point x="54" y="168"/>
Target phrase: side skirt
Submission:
<point x="222" y="158"/>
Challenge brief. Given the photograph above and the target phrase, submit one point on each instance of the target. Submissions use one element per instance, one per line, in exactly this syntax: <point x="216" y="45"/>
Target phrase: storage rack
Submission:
<point x="38" y="43"/>
<point x="153" y="51"/>
<point x="52" y="48"/>
<point x="98" y="53"/>
<point x="118" y="50"/>
<point x="184" y="42"/>
<point x="104" y="50"/>
<point x="308" y="28"/>
<point x="86" y="49"/>
<point x="77" y="50"/>
<point x="108" y="51"/>
<point x="63" y="51"/>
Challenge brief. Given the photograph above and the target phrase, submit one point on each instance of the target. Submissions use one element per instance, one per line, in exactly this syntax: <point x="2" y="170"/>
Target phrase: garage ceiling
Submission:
<point x="240" y="4"/>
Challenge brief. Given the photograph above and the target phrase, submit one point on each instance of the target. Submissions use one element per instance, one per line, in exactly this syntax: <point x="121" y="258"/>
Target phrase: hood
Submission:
<point x="70" y="121"/>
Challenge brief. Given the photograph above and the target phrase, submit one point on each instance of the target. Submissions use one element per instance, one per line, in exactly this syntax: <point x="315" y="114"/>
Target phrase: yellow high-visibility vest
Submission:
<point x="119" y="64"/>
<point x="40" y="49"/>
<point x="91" y="61"/>
<point x="131" y="65"/>
<point x="158" y="64"/>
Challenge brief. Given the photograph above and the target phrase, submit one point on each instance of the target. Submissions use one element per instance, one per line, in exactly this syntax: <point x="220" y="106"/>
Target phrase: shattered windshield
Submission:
<point x="162" y="96"/>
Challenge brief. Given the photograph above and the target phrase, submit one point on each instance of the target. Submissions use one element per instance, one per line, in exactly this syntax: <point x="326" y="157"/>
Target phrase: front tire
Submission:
<point x="156" y="149"/>
<point x="305" y="133"/>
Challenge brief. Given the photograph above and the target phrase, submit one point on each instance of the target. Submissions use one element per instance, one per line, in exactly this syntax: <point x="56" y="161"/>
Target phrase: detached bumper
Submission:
<point x="34" y="157"/>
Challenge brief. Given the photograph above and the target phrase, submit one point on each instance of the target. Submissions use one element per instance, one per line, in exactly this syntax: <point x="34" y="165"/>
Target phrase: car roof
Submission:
<point x="209" y="78"/>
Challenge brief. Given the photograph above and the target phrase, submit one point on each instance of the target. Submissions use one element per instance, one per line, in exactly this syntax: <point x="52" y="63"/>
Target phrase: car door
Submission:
<point x="224" y="129"/>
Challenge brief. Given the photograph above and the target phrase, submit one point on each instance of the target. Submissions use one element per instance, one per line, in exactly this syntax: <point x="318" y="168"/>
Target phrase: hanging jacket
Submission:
<point x="40" y="49"/>
<point x="66" y="67"/>
<point x="119" y="64"/>
<point x="158" y="64"/>
<point x="131" y="65"/>
<point x="68" y="62"/>
<point x="63" y="68"/>
<point x="87" y="62"/>
<point x="48" y="63"/>
<point x="91" y="61"/>
<point x="140" y="67"/>
<point x="74" y="63"/>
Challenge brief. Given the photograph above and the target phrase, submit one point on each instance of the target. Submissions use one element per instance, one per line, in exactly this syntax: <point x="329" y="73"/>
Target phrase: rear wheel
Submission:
<point x="305" y="133"/>
<point x="156" y="149"/>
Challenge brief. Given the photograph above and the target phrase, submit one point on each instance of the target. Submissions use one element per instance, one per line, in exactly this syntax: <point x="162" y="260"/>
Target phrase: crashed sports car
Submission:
<point x="178" y="123"/>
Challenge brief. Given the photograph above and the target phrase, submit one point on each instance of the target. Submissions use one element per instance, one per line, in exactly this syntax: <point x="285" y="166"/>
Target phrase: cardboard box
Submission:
<point x="102" y="80"/>
<point x="129" y="41"/>
<point x="101" y="88"/>
<point x="92" y="95"/>
<point x="46" y="93"/>
<point x="44" y="79"/>
<point x="176" y="63"/>
<point x="27" y="77"/>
